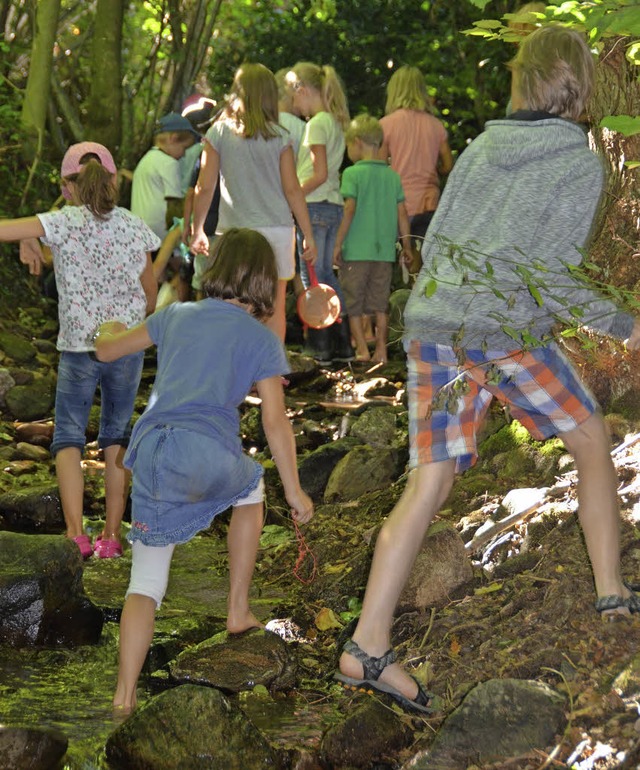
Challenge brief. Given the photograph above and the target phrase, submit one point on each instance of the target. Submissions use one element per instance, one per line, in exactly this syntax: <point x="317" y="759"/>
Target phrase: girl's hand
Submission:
<point x="633" y="343"/>
<point x="199" y="243"/>
<point x="111" y="327"/>
<point x="31" y="255"/>
<point x="301" y="506"/>
<point x="187" y="233"/>
<point x="337" y="256"/>
<point x="310" y="252"/>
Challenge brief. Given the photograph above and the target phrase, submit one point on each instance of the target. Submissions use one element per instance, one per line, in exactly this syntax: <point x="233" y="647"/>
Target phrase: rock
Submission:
<point x="6" y="383"/>
<point x="39" y="433"/>
<point x="364" y="469"/>
<point x="191" y="728"/>
<point x="371" y="732"/>
<point x="42" y="600"/>
<point x="498" y="719"/>
<point x="316" y="468"/>
<point x="235" y="662"/>
<point x="17" y="348"/>
<point x="397" y="302"/>
<point x="36" y="509"/>
<point x="31" y="452"/>
<point x="20" y="467"/>
<point x="31" y="748"/>
<point x="45" y="346"/>
<point x="442" y="566"/>
<point x="376" y="427"/>
<point x="31" y="402"/>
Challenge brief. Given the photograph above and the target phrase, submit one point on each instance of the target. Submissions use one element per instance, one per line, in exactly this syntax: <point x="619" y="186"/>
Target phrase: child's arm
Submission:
<point x="171" y="240"/>
<point x="282" y="444"/>
<point x="25" y="229"/>
<point x="205" y="187"/>
<point x="298" y="205"/>
<point x="347" y="218"/>
<point x="113" y="340"/>
<point x="320" y="168"/>
<point x="149" y="284"/>
<point x="445" y="158"/>
<point x="187" y="213"/>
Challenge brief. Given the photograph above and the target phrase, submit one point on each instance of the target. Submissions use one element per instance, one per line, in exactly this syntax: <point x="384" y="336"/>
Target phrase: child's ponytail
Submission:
<point x="327" y="82"/>
<point x="94" y="187"/>
<point x="334" y="96"/>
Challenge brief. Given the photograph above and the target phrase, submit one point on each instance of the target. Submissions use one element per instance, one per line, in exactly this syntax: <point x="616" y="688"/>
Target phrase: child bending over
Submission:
<point x="186" y="453"/>
<point x="524" y="192"/>
<point x="365" y="249"/>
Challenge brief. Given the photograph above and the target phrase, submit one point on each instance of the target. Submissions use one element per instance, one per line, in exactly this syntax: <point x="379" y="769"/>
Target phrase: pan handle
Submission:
<point x="311" y="272"/>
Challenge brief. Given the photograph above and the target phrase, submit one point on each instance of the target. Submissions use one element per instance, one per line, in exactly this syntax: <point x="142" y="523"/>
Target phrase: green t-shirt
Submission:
<point x="377" y="190"/>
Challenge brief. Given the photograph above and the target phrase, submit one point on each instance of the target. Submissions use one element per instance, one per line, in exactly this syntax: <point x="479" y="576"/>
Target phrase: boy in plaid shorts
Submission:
<point x="522" y="198"/>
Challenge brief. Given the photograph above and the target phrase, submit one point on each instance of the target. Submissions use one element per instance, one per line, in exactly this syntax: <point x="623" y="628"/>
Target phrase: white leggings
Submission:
<point x="150" y="564"/>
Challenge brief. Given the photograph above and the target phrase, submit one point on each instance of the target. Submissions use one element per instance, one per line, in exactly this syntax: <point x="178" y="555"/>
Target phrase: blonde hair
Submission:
<point x="525" y="27"/>
<point x="407" y="90"/>
<point x="365" y="128"/>
<point x="243" y="268"/>
<point x="554" y="71"/>
<point x="326" y="81"/>
<point x="253" y="103"/>
<point x="93" y="186"/>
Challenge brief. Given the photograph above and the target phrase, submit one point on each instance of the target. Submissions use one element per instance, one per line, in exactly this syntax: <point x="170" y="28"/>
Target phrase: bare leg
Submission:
<point x="116" y="489"/>
<point x="382" y="323"/>
<point x="136" y="633"/>
<point x="278" y="321"/>
<point x="398" y="544"/>
<point x="356" y="327"/>
<point x="243" y="540"/>
<point x="71" y="485"/>
<point x="598" y="510"/>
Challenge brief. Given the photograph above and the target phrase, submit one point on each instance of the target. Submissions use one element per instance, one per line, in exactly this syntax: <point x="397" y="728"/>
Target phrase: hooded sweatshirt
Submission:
<point x="517" y="209"/>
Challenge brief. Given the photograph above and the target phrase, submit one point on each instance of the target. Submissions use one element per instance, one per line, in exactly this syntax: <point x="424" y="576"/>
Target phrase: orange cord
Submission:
<point x="303" y="552"/>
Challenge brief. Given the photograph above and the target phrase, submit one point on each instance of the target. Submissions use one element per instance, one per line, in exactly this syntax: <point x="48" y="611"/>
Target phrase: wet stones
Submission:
<point x="42" y="600"/>
<point x="36" y="509"/>
<point x="235" y="662"/>
<point x="190" y="727"/>
<point x="31" y="748"/>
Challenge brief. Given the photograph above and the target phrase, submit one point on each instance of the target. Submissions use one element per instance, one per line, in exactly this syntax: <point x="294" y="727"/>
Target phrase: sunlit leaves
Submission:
<point x="623" y="124"/>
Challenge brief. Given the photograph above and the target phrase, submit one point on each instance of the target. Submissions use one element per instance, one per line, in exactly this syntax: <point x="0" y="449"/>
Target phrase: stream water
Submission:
<point x="71" y="690"/>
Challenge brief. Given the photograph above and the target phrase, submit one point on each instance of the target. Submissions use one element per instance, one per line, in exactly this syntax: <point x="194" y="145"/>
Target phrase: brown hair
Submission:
<point x="253" y="103"/>
<point x="554" y="71"/>
<point x="406" y="90"/>
<point x="243" y="268"/>
<point x="94" y="186"/>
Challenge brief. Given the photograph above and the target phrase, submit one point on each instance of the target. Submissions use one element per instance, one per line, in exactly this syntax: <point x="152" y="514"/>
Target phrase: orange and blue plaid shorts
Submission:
<point x="448" y="398"/>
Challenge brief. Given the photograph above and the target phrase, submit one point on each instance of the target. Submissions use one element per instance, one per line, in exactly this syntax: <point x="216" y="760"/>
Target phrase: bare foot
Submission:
<point x="393" y="674"/>
<point x="122" y="709"/>
<point x="237" y="623"/>
<point x="380" y="356"/>
<point x="362" y="354"/>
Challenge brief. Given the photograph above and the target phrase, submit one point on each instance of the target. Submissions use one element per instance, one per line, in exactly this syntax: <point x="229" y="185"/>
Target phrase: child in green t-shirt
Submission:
<point x="365" y="250"/>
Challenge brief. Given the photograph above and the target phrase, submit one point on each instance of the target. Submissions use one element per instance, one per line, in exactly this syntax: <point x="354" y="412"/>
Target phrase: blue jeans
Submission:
<point x="325" y="221"/>
<point x="79" y="375"/>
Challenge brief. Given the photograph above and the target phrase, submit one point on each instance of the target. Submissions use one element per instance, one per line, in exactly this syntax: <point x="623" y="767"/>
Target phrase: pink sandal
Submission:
<point x="107" y="548"/>
<point x="84" y="544"/>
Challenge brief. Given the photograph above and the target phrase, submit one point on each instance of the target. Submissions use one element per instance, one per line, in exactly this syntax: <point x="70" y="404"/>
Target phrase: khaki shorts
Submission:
<point x="366" y="286"/>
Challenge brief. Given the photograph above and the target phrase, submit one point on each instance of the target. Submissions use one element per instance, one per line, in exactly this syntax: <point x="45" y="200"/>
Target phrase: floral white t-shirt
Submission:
<point x="98" y="264"/>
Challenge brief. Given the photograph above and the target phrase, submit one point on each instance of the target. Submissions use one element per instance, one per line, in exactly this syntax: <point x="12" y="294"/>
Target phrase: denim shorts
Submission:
<point x="541" y="388"/>
<point x="79" y="375"/>
<point x="181" y="481"/>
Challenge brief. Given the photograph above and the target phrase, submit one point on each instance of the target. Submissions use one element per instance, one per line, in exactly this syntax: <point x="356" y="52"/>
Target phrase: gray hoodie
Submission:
<point x="518" y="207"/>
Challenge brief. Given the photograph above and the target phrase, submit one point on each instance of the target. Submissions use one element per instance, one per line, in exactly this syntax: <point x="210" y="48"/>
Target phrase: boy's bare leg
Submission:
<point x="243" y="539"/>
<point x="116" y="490"/>
<point x="278" y="321"/>
<point x="598" y="509"/>
<point x="136" y="633"/>
<point x="356" y="327"/>
<point x="71" y="486"/>
<point x="398" y="544"/>
<point x="382" y="325"/>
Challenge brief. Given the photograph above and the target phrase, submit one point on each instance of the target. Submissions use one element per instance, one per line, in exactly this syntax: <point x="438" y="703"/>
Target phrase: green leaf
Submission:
<point x="623" y="124"/>
<point x="488" y="23"/>
<point x="535" y="294"/>
<point x="481" y="4"/>
<point x="430" y="288"/>
<point x="632" y="163"/>
<point x="511" y="332"/>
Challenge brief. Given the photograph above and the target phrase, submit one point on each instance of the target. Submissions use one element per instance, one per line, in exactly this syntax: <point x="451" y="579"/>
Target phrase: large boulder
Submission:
<point x="33" y="509"/>
<point x="364" y="469"/>
<point x="191" y="728"/>
<point x="31" y="748"/>
<point x="33" y="401"/>
<point x="42" y="599"/>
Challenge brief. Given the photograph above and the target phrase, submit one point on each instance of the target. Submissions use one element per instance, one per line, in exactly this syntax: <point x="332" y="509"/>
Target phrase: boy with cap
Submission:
<point x="157" y="192"/>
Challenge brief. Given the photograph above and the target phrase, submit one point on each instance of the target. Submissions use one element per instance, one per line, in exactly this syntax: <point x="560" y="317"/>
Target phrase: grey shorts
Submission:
<point x="366" y="286"/>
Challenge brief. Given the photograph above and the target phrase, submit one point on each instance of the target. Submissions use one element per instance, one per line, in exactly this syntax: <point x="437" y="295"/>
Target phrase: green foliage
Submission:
<point x="623" y="124"/>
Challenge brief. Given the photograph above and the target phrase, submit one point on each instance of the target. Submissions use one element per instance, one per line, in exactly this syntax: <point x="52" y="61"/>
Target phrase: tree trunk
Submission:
<point x="104" y="122"/>
<point x="36" y="97"/>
